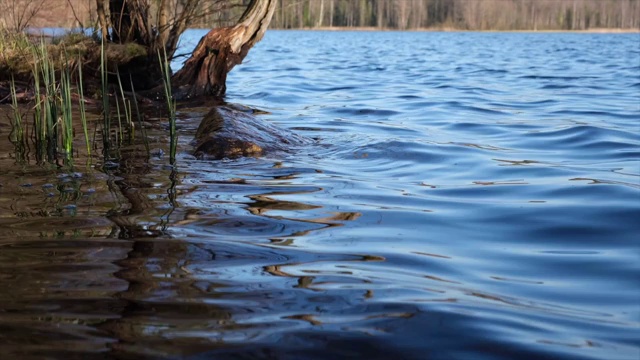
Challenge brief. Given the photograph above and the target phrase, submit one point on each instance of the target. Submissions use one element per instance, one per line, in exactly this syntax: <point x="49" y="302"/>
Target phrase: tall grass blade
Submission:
<point x="119" y="116"/>
<point x="171" y="104"/>
<point x="83" y="112"/>
<point x="106" y="117"/>
<point x="127" y="109"/>
<point x="17" y="129"/>
<point x="50" y="116"/>
<point x="66" y="110"/>
<point x="38" y="121"/>
<point x="145" y="139"/>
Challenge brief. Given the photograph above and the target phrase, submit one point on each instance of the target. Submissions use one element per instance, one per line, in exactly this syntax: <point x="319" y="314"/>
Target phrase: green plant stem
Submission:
<point x="83" y="113"/>
<point x="171" y="104"/>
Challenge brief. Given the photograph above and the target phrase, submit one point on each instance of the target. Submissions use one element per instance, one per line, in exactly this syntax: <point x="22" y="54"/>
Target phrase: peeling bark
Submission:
<point x="205" y="72"/>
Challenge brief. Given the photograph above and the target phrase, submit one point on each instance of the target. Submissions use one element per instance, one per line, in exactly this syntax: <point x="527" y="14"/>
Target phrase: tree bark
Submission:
<point x="163" y="22"/>
<point x="102" y="8"/>
<point x="205" y="72"/>
<point x="130" y="22"/>
<point x="321" y="13"/>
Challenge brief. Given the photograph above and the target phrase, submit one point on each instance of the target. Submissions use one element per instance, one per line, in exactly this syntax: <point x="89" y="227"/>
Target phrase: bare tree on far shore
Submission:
<point x="16" y="15"/>
<point x="460" y="14"/>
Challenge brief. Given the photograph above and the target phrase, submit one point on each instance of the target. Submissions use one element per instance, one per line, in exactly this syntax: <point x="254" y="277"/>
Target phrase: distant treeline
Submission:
<point x="460" y="14"/>
<point x="381" y="14"/>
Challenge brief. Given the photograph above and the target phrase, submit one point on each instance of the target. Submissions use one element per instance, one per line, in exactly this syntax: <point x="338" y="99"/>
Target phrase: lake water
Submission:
<point x="466" y="196"/>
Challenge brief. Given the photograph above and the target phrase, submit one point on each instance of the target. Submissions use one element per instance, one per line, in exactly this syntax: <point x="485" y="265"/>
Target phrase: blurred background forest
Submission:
<point x="379" y="14"/>
<point x="460" y="14"/>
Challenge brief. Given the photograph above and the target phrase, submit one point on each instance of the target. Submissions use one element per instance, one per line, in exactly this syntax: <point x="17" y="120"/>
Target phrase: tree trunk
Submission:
<point x="130" y="22"/>
<point x="205" y="72"/>
<point x="102" y="8"/>
<point x="321" y="13"/>
<point x="163" y="22"/>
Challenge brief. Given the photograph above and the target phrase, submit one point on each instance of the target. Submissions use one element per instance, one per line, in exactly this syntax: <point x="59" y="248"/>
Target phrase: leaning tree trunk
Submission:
<point x="205" y="72"/>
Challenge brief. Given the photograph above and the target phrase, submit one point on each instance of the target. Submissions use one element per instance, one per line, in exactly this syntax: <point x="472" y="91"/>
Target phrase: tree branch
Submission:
<point x="205" y="72"/>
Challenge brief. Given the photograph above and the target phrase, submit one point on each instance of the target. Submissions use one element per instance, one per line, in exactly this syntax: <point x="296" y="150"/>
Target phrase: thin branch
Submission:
<point x="75" y="15"/>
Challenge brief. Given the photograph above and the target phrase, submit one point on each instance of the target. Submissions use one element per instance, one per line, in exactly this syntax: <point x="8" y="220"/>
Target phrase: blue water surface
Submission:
<point x="465" y="196"/>
<point x="495" y="178"/>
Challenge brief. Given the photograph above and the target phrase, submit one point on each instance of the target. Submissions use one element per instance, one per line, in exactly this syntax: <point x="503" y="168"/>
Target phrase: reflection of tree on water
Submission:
<point x="194" y="276"/>
<point x="150" y="195"/>
<point x="187" y="282"/>
<point x="265" y="204"/>
<point x="160" y="299"/>
<point x="187" y="296"/>
<point x="163" y="305"/>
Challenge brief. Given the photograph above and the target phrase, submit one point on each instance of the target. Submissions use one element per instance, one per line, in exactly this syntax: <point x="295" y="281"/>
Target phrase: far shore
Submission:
<point x="35" y="30"/>
<point x="588" y="31"/>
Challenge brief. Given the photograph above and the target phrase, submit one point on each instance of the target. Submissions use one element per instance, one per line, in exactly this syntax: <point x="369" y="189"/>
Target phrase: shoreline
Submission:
<point x="35" y="29"/>
<point x="372" y="29"/>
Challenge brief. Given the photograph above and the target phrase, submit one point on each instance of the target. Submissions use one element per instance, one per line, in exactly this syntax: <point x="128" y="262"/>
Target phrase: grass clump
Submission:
<point x="15" y="55"/>
<point x="49" y="75"/>
<point x="50" y="90"/>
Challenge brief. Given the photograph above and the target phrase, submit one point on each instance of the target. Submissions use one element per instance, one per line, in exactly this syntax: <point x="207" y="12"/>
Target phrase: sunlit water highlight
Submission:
<point x="466" y="196"/>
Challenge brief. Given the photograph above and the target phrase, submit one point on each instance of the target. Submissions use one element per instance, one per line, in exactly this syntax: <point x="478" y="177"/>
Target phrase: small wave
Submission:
<point x="366" y="112"/>
<point x="607" y="141"/>
<point x="558" y="86"/>
<point x="552" y="77"/>
<point x="594" y="113"/>
<point x="489" y="71"/>
<point x="456" y="105"/>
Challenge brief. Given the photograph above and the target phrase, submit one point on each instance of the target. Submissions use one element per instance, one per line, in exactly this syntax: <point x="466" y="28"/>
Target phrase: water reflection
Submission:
<point x="186" y="298"/>
<point x="55" y="293"/>
<point x="171" y="296"/>
<point x="267" y="205"/>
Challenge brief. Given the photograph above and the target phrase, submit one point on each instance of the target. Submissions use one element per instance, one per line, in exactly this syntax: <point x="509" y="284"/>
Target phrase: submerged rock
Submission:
<point x="228" y="132"/>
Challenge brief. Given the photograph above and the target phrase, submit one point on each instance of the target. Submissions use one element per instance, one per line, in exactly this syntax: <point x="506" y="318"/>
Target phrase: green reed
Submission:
<point x="171" y="104"/>
<point x="126" y="104"/>
<point x="119" y="117"/>
<point x="83" y="113"/>
<point x="55" y="84"/>
<point x="142" y="129"/>
<point x="38" y="125"/>
<point x="106" y="117"/>
<point x="17" y="126"/>
<point x="46" y="105"/>
<point x="53" y="104"/>
<point x="66" y="114"/>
